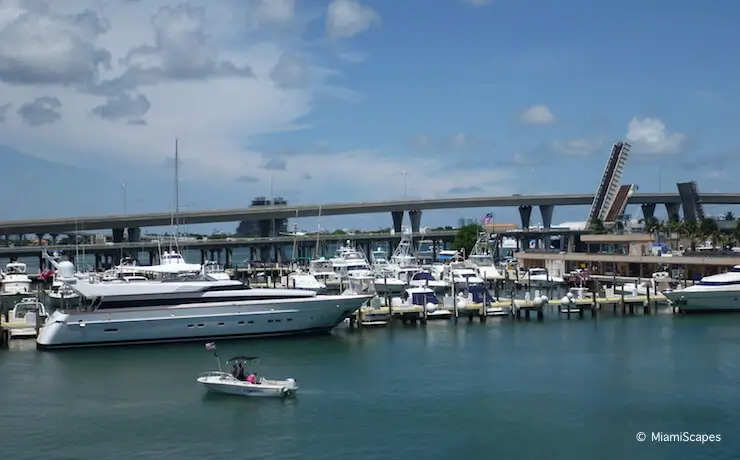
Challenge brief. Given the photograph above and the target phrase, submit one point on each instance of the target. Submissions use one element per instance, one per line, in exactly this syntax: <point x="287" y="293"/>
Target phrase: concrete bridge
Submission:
<point x="133" y="222"/>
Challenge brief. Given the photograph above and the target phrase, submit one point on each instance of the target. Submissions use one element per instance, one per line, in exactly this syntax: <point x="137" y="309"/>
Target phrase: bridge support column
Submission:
<point x="118" y="235"/>
<point x="648" y="211"/>
<point x="546" y="213"/>
<point x="674" y="211"/>
<point x="40" y="236"/>
<point x="415" y="218"/>
<point x="229" y="255"/>
<point x="397" y="220"/>
<point x="134" y="234"/>
<point x="54" y="237"/>
<point x="525" y="212"/>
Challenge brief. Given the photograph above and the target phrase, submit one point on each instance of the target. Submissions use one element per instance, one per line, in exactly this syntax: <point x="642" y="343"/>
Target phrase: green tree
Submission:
<point x="729" y="215"/>
<point x="338" y="232"/>
<point x="597" y="226"/>
<point x="466" y="237"/>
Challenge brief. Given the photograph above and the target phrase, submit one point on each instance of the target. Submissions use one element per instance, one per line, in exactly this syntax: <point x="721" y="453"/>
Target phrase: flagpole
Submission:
<point x="218" y="361"/>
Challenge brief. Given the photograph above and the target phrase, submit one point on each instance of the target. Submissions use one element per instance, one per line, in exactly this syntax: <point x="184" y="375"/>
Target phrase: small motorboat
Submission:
<point x="22" y="318"/>
<point x="244" y="382"/>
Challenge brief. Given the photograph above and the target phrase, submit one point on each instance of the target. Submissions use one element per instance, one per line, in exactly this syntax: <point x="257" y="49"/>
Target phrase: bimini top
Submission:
<point x="242" y="358"/>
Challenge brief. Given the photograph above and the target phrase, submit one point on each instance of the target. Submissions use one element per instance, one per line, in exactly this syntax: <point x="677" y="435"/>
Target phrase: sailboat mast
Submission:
<point x="177" y="186"/>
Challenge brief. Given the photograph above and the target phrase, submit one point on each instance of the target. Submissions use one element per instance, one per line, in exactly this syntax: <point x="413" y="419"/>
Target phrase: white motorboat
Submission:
<point x="323" y="271"/>
<point x="481" y="259"/>
<point x="307" y="281"/>
<point x="479" y="296"/>
<point x="714" y="293"/>
<point x="15" y="280"/>
<point x="374" y="315"/>
<point x="22" y="318"/>
<point x="244" y="382"/>
<point x="540" y="277"/>
<point x="425" y="298"/>
<point x="424" y="278"/>
<point x="462" y="276"/>
<point x="386" y="282"/>
<point x="178" y="310"/>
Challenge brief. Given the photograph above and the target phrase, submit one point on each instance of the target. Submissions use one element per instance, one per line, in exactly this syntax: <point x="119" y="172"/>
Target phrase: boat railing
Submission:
<point x="221" y="374"/>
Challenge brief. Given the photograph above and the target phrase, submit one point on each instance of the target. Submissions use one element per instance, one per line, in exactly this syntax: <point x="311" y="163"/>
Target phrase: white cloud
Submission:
<point x="650" y="136"/>
<point x="276" y="11"/>
<point x="579" y="146"/>
<point x="347" y="18"/>
<point x="537" y="115"/>
<point x="112" y="82"/>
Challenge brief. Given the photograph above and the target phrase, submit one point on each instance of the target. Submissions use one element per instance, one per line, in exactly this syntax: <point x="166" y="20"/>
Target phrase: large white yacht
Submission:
<point x="715" y="293"/>
<point x="15" y="280"/>
<point x="166" y="311"/>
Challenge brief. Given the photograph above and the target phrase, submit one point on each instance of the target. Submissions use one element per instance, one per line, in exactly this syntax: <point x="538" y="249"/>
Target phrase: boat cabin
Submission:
<point x="423" y="276"/>
<point x="15" y="268"/>
<point x="419" y="296"/>
<point x="480" y="295"/>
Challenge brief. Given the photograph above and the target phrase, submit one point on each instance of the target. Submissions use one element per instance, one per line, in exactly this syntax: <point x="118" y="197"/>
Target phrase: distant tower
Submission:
<point x="263" y="227"/>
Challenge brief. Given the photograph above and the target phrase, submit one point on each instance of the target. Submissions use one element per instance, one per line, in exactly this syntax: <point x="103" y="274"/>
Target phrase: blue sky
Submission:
<point x="330" y="101"/>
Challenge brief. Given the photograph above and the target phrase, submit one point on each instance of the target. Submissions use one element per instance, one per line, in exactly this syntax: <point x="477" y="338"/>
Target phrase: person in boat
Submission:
<point x="252" y="378"/>
<point x="234" y="370"/>
<point x="240" y="372"/>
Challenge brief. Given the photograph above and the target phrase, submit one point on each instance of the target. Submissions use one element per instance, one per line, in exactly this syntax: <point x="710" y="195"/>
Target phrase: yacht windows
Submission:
<point x="719" y="283"/>
<point x="141" y="303"/>
<point x="735" y="269"/>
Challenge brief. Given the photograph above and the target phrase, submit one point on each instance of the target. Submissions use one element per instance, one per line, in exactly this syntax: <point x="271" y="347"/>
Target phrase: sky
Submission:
<point x="344" y="100"/>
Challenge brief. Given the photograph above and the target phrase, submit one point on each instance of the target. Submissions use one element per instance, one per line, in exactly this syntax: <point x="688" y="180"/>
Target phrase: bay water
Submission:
<point x="559" y="389"/>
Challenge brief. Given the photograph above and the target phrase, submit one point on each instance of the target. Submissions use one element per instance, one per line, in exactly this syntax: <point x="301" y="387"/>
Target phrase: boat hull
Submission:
<point x="196" y="322"/>
<point x="238" y="388"/>
<point x="705" y="302"/>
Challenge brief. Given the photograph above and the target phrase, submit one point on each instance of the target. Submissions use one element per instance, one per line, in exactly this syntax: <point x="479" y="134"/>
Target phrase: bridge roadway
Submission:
<point x="25" y="251"/>
<point x="157" y="219"/>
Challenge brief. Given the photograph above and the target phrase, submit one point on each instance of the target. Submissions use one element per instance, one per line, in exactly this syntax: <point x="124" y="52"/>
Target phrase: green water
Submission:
<point x="553" y="390"/>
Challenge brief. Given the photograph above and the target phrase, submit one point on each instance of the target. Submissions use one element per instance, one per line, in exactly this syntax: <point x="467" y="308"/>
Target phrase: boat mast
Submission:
<point x="318" y="234"/>
<point x="174" y="221"/>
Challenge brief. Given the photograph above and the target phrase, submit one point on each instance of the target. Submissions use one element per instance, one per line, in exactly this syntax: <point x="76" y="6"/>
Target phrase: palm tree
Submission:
<point x="674" y="227"/>
<point x="690" y="229"/>
<point x="655" y="227"/>
<point x="735" y="234"/>
<point x="729" y="215"/>
<point x="707" y="229"/>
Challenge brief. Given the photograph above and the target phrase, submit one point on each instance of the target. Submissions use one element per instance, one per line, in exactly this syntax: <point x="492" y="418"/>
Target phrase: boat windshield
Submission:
<point x="423" y="276"/>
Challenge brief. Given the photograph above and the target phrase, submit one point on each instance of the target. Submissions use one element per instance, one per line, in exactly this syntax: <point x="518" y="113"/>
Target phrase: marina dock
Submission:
<point x="513" y="308"/>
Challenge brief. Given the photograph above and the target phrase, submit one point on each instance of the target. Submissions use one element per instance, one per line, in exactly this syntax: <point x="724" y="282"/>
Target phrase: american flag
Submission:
<point x="487" y="219"/>
<point x="211" y="346"/>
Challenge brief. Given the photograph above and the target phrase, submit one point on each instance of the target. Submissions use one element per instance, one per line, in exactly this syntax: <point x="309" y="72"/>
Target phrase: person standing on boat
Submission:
<point x="240" y="372"/>
<point x="234" y="370"/>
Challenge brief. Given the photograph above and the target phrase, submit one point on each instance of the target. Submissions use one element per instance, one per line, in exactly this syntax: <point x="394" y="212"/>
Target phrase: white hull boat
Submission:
<point x="243" y="382"/>
<point x="712" y="294"/>
<point x="539" y="277"/>
<point x="22" y="318"/>
<point x="158" y="311"/>
<point x="225" y="383"/>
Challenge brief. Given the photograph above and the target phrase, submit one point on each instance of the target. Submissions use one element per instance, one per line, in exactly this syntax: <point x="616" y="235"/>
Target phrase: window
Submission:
<point x="110" y="330"/>
<point x="250" y="322"/>
<point x="220" y="324"/>
<point x="190" y="325"/>
<point x="201" y="325"/>
<point x="241" y="322"/>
